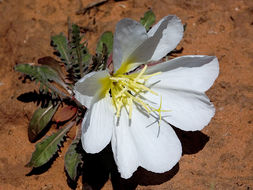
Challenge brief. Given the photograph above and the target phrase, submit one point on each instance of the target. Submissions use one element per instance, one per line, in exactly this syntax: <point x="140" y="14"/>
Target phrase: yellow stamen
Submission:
<point x="159" y="111"/>
<point x="126" y="89"/>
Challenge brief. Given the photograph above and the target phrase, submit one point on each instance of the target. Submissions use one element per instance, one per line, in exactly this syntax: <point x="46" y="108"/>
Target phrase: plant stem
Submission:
<point x="67" y="97"/>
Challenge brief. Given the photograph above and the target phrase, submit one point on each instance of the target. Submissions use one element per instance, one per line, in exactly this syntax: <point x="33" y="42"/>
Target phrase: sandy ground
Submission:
<point x="214" y="27"/>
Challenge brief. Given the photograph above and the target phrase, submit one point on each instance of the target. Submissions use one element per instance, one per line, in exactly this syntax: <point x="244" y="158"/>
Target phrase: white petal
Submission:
<point x="97" y="126"/>
<point x="128" y="35"/>
<point x="189" y="110"/>
<point x="88" y="86"/>
<point x="123" y="147"/>
<point x="162" y="38"/>
<point x="141" y="145"/>
<point x="196" y="73"/>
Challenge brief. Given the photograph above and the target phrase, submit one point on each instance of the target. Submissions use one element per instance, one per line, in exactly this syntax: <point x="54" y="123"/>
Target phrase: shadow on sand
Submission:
<point x="98" y="168"/>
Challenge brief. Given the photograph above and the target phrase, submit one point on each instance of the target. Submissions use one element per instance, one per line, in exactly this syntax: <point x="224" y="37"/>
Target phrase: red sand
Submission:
<point x="221" y="28"/>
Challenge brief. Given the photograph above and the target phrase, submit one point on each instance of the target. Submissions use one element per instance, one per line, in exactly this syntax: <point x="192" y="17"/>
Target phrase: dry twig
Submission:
<point x="89" y="6"/>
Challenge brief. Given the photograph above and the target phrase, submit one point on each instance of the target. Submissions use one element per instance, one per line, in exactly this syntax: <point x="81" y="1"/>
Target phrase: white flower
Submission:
<point x="134" y="110"/>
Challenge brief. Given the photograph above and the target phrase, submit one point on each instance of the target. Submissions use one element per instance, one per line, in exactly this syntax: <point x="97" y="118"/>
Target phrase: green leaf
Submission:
<point x="86" y="58"/>
<point x="107" y="39"/>
<point x="52" y="63"/>
<point x="80" y="56"/>
<point x="76" y="51"/>
<point x="148" y="20"/>
<point x="48" y="147"/>
<point x="44" y="74"/>
<point x="73" y="53"/>
<point x="103" y="51"/>
<point x="60" y="43"/>
<point x="40" y="119"/>
<point x="72" y="159"/>
<point x="55" y="65"/>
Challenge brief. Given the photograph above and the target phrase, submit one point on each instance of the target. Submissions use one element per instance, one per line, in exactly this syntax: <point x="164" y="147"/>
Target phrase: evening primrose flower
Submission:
<point x="133" y="108"/>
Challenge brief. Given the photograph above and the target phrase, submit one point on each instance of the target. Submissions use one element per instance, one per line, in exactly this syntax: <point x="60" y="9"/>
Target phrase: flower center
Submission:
<point x="128" y="89"/>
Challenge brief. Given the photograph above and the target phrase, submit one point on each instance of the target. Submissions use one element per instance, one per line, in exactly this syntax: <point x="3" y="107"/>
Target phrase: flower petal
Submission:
<point x="162" y="38"/>
<point x="128" y="35"/>
<point x="188" y="110"/>
<point x="196" y="73"/>
<point x="123" y="147"/>
<point x="88" y="86"/>
<point x="141" y="144"/>
<point x="97" y="126"/>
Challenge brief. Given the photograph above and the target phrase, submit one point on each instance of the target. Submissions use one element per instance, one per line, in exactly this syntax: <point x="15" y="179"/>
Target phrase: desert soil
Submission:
<point x="214" y="27"/>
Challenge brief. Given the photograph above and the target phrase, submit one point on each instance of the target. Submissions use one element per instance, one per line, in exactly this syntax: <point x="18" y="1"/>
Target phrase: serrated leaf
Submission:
<point x="75" y="34"/>
<point x="60" y="44"/>
<point x="38" y="72"/>
<point x="107" y="39"/>
<point x="44" y="74"/>
<point x="76" y="48"/>
<point x="79" y="54"/>
<point x="86" y="58"/>
<point x="72" y="159"/>
<point x="48" y="147"/>
<point x="52" y="63"/>
<point x="148" y="20"/>
<point x="103" y="52"/>
<point x="40" y="119"/>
